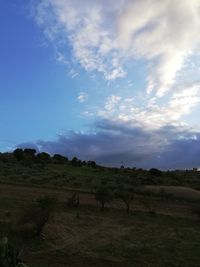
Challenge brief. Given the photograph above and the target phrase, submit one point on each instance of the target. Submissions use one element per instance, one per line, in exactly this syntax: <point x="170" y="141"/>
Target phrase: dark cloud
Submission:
<point x="113" y="143"/>
<point x="181" y="153"/>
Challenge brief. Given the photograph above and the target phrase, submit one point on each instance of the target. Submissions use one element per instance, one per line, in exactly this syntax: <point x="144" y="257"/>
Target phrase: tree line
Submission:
<point x="30" y="155"/>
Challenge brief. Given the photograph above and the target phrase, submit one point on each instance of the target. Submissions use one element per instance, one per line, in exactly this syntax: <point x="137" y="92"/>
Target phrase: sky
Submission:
<point x="117" y="82"/>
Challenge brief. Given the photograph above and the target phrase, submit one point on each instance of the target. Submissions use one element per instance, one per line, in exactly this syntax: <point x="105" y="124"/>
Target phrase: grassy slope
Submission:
<point x="169" y="238"/>
<point x="141" y="239"/>
<point x="87" y="177"/>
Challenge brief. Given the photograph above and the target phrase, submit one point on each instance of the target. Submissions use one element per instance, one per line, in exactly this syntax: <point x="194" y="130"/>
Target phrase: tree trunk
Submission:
<point x="128" y="208"/>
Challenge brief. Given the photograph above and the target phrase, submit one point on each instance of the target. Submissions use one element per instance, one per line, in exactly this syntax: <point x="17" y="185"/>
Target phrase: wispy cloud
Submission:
<point x="150" y="114"/>
<point x="108" y="37"/>
<point x="82" y="97"/>
<point x="105" y="35"/>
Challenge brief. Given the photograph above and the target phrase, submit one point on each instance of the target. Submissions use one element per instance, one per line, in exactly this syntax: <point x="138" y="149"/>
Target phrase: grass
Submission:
<point x="109" y="238"/>
<point x="179" y="192"/>
<point x="86" y="177"/>
<point x="167" y="236"/>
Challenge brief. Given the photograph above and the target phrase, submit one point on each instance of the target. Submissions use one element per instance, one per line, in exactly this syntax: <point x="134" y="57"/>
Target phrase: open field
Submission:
<point x="162" y="229"/>
<point x="87" y="236"/>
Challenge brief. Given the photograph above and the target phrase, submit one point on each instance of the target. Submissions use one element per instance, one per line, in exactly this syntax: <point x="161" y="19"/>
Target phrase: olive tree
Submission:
<point x="103" y="195"/>
<point x="126" y="195"/>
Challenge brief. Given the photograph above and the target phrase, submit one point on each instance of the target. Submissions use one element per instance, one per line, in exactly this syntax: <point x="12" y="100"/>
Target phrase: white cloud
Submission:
<point x="105" y="34"/>
<point x="60" y="57"/>
<point x="73" y="74"/>
<point x="82" y="97"/>
<point x="151" y="115"/>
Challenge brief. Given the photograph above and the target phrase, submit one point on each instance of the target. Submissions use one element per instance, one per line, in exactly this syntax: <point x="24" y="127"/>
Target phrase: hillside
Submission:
<point x="161" y="229"/>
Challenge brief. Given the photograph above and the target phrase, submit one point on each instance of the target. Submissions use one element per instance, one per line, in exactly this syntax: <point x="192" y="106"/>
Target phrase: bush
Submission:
<point x="127" y="196"/>
<point x="92" y="164"/>
<point x="155" y="172"/>
<point x="44" y="157"/>
<point x="39" y="213"/>
<point x="9" y="256"/>
<point x="73" y="201"/>
<point x="103" y="196"/>
<point x="18" y="154"/>
<point x="58" y="159"/>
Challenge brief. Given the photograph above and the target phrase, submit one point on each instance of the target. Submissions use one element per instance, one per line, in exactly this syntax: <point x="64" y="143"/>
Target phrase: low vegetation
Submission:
<point x="39" y="213"/>
<point x="10" y="256"/>
<point x="68" y="212"/>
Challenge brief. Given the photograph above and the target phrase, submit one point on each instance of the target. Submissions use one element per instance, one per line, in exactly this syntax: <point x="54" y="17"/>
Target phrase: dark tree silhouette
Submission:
<point x="92" y="164"/>
<point x="44" y="157"/>
<point x="30" y="151"/>
<point x="155" y="172"/>
<point x="127" y="196"/>
<point x="18" y="154"/>
<point x="76" y="162"/>
<point x="103" y="196"/>
<point x="60" y="159"/>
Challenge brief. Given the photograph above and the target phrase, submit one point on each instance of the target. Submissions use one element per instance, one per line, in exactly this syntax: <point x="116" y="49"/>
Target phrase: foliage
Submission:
<point x="39" y="213"/>
<point x="92" y="164"/>
<point x="18" y="154"/>
<point x="45" y="157"/>
<point x="25" y="166"/>
<point x="155" y="172"/>
<point x="76" y="162"/>
<point x="126" y="195"/>
<point x="9" y="256"/>
<point x="30" y="151"/>
<point x="103" y="195"/>
<point x="74" y="200"/>
<point x="60" y="159"/>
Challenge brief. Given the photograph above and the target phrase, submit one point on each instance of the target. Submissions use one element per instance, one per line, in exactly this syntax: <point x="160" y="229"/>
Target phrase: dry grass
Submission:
<point x="88" y="237"/>
<point x="181" y="192"/>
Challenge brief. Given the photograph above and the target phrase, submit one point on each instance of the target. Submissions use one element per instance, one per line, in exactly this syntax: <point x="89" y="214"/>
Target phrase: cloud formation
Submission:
<point x="114" y="144"/>
<point x="104" y="35"/>
<point x="147" y="129"/>
<point x="150" y="115"/>
<point x="82" y="97"/>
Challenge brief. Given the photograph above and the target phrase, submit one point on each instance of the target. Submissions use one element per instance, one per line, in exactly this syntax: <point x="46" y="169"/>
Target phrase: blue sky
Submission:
<point x="108" y="82"/>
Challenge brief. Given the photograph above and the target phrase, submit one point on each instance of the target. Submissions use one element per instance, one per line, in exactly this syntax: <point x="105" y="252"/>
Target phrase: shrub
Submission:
<point x="9" y="256"/>
<point x="44" y="157"/>
<point x="60" y="159"/>
<point x="18" y="154"/>
<point x="127" y="196"/>
<point x="103" y="196"/>
<point x="92" y="164"/>
<point x="74" y="201"/>
<point x="39" y="213"/>
<point x="155" y="172"/>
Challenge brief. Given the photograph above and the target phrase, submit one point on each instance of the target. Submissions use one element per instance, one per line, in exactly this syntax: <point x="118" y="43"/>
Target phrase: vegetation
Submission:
<point x="74" y="200"/>
<point x="9" y="256"/>
<point x="103" y="196"/>
<point x="40" y="211"/>
<point x="127" y="196"/>
<point x="28" y="166"/>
